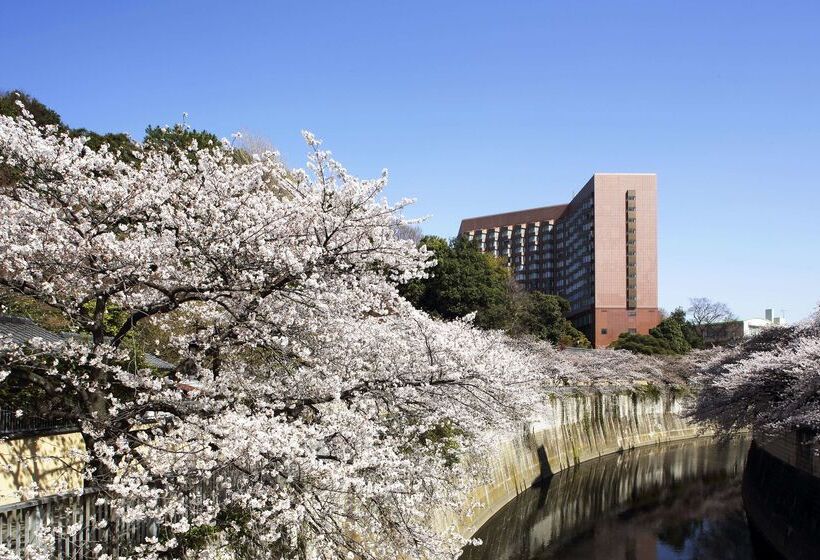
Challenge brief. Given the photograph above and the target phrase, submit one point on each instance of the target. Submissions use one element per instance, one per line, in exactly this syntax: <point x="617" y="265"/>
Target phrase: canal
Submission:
<point x="675" y="501"/>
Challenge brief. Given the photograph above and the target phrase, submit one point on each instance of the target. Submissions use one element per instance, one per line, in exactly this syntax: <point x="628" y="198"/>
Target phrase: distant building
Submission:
<point x="599" y="252"/>
<point x="729" y="333"/>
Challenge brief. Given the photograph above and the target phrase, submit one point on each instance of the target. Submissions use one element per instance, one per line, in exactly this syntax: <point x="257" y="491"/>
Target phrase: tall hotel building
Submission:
<point x="599" y="252"/>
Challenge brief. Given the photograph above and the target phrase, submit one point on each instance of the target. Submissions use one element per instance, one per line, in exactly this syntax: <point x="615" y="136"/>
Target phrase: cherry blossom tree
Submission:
<point x="320" y="407"/>
<point x="770" y="383"/>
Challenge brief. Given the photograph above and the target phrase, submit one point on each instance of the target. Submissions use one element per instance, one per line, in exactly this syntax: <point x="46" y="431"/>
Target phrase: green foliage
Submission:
<point x="232" y="522"/>
<point x="572" y="337"/>
<point x="171" y="140"/>
<point x="642" y="344"/>
<point x="444" y="436"/>
<point x="18" y="392"/>
<point x="648" y="390"/>
<point x="13" y="303"/>
<point x="178" y="139"/>
<point x="113" y="317"/>
<point x="117" y="142"/>
<point x="669" y="330"/>
<point x="464" y="280"/>
<point x="43" y="115"/>
<point x="197" y="538"/>
<point x="690" y="332"/>
<point x="674" y="335"/>
<point x="544" y="316"/>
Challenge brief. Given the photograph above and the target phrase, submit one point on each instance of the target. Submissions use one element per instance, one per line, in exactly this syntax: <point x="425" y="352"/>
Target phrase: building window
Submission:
<point x="631" y="251"/>
<point x="633" y="331"/>
<point x="603" y="331"/>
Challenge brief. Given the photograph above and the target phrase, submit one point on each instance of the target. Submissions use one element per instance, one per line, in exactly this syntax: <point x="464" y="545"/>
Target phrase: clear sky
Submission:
<point x="480" y="107"/>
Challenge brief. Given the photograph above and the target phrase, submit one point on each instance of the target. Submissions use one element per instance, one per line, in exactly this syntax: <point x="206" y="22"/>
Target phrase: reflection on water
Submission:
<point x="669" y="502"/>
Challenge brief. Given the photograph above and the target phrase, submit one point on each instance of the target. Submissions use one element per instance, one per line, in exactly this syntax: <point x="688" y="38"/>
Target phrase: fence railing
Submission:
<point x="12" y="425"/>
<point x="74" y="521"/>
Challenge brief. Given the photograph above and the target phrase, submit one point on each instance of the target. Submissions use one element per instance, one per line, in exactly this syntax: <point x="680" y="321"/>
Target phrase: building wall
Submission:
<point x="575" y="254"/>
<point x="721" y="334"/>
<point x="616" y="321"/>
<point x="40" y="466"/>
<point x="599" y="252"/>
<point x="730" y="333"/>
<point x="615" y="310"/>
<point x="524" y="239"/>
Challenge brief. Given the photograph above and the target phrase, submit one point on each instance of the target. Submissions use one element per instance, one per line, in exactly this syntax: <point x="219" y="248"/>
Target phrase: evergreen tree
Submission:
<point x="466" y="280"/>
<point x="674" y="335"/>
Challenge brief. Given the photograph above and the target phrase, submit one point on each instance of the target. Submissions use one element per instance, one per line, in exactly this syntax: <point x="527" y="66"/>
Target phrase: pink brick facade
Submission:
<point x="599" y="252"/>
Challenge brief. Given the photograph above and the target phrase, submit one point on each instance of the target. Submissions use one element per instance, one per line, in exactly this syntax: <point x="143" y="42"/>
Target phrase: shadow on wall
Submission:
<point x="39" y="466"/>
<point x="544" y="463"/>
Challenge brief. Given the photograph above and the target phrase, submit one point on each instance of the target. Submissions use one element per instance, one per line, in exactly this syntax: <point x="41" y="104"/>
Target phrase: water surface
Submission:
<point x="677" y="501"/>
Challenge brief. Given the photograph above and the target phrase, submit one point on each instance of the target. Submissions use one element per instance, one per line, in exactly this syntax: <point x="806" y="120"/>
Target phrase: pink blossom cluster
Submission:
<point x="770" y="383"/>
<point x="327" y="411"/>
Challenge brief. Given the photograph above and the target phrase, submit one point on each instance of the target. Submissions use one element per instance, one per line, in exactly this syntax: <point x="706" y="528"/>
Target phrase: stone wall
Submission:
<point x="577" y="427"/>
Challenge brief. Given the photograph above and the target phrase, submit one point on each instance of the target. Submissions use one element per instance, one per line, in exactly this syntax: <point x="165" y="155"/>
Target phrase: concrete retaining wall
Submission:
<point x="576" y="428"/>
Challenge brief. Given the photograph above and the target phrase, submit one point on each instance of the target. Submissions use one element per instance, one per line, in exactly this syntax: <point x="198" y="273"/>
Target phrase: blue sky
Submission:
<point x="478" y="107"/>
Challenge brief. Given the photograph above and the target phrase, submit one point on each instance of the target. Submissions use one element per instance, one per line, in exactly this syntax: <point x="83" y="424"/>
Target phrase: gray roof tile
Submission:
<point x="21" y="330"/>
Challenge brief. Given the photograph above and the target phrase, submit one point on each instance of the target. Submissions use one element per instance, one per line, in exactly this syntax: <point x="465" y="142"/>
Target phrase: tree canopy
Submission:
<point x="674" y="335"/>
<point x="10" y="105"/>
<point x="543" y="316"/>
<point x="465" y="280"/>
<point x="769" y="382"/>
<point x="179" y="139"/>
<point x="322" y="404"/>
<point x="705" y="311"/>
<point x="173" y="140"/>
<point x="327" y="411"/>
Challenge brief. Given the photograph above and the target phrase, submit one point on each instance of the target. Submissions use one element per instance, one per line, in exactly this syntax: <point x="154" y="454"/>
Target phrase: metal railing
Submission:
<point x="78" y="523"/>
<point x="14" y="425"/>
<point x="75" y="523"/>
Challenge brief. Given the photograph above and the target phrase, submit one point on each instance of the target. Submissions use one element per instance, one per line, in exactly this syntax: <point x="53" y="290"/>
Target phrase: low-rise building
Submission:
<point x="729" y="333"/>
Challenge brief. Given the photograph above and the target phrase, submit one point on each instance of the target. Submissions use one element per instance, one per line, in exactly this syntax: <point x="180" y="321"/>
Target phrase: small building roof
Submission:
<point x="22" y="329"/>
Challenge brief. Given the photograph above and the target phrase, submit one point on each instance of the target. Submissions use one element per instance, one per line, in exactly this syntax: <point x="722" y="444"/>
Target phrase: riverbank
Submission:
<point x="577" y="427"/>
<point x="679" y="498"/>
